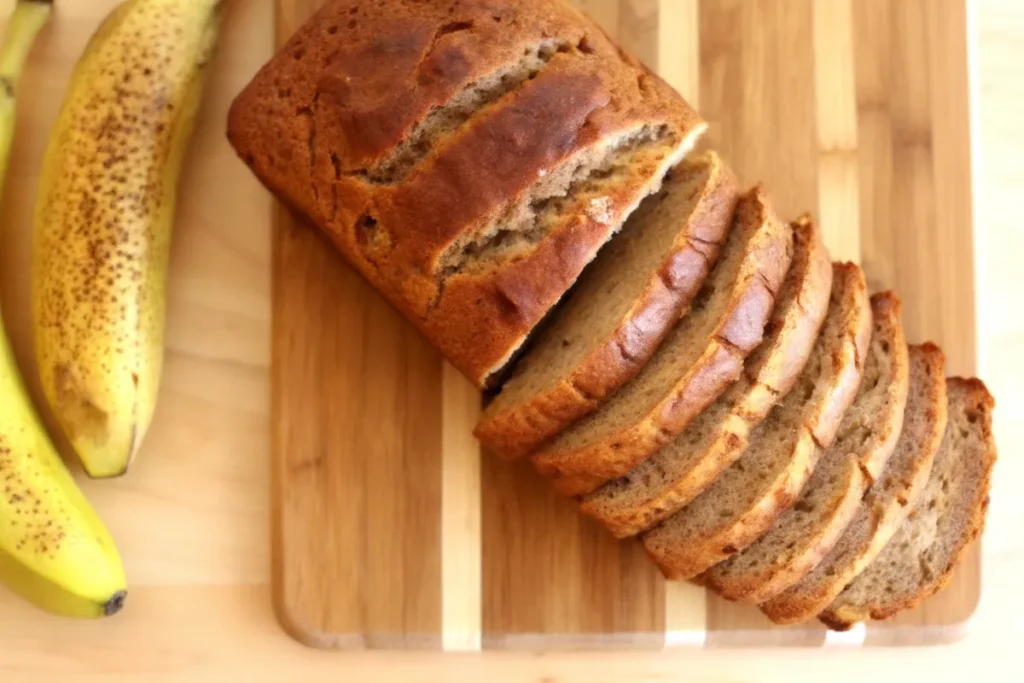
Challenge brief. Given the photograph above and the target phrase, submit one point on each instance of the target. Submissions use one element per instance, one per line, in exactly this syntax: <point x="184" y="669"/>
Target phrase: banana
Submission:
<point x="104" y="219"/>
<point x="54" y="550"/>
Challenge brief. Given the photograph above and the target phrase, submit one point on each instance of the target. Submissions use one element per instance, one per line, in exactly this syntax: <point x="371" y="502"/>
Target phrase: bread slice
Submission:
<point x="702" y="355"/>
<point x="766" y="480"/>
<point x="919" y="559"/>
<point x="888" y="501"/>
<point x="677" y="473"/>
<point x="620" y="310"/>
<point x="805" y="533"/>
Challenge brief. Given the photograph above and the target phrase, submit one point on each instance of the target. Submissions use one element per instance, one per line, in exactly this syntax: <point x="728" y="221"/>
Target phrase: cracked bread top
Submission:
<point x="467" y="158"/>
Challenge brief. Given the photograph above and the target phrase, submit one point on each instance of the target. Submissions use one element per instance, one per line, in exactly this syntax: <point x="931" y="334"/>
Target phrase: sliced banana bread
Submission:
<point x="619" y="311"/>
<point x="677" y="473"/>
<point x="468" y="159"/>
<point x="805" y="533"/>
<point x="919" y="559"/>
<point x="702" y="355"/>
<point x="766" y="480"/>
<point x="889" y="500"/>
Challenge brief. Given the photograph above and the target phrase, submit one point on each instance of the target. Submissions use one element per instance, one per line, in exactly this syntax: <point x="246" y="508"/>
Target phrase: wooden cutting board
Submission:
<point x="392" y="530"/>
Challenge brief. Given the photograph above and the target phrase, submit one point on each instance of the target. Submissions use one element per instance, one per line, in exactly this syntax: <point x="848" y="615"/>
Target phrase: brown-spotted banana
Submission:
<point x="104" y="219"/>
<point x="54" y="550"/>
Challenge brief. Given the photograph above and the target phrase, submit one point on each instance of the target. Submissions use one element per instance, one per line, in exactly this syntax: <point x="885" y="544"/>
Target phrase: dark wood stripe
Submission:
<point x="356" y="450"/>
<point x="550" y="575"/>
<point x="357" y="457"/>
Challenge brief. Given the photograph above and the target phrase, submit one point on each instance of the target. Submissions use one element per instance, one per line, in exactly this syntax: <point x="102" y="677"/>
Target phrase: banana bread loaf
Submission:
<point x="467" y="158"/>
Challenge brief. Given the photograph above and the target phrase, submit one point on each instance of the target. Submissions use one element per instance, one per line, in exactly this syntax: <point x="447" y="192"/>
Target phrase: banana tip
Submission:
<point x="115" y="603"/>
<point x="105" y="473"/>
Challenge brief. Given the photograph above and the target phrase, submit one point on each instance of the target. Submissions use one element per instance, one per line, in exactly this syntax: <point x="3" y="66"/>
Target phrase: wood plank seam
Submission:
<point x="835" y="100"/>
<point x="679" y="64"/>
<point x="460" y="515"/>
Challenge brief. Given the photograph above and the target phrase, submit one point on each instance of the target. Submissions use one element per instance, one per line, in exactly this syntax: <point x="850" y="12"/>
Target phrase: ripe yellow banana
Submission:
<point x="104" y="219"/>
<point x="54" y="550"/>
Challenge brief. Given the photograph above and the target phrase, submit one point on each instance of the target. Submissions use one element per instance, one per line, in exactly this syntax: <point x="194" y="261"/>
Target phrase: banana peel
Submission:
<point x="54" y="549"/>
<point x="104" y="221"/>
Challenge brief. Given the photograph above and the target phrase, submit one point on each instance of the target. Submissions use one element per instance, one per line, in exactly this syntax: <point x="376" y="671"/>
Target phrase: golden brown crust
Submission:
<point x="319" y="124"/>
<point x="830" y="415"/>
<point x="520" y="428"/>
<point x="778" y="368"/>
<point x="888" y="305"/>
<point x="740" y="329"/>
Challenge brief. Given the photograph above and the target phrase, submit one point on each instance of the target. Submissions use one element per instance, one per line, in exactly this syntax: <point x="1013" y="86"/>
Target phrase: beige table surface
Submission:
<point x="192" y="517"/>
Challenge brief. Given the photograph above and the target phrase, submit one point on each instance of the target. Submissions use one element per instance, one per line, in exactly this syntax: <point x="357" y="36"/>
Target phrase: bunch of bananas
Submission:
<point x="102" y="232"/>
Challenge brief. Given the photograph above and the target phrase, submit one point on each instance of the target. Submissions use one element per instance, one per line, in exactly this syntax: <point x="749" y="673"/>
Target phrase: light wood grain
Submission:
<point x="836" y="106"/>
<point x="678" y="41"/>
<point x="757" y="90"/>
<point x="460" y="514"/>
<point x="192" y="518"/>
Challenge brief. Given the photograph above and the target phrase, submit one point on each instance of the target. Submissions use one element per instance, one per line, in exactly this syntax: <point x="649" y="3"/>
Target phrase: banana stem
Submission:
<point x="28" y="19"/>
